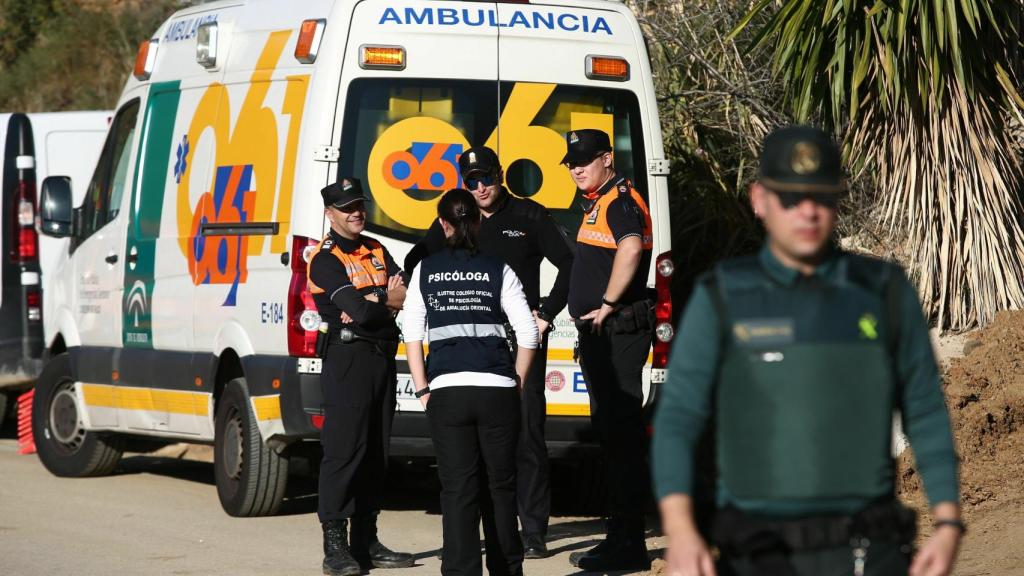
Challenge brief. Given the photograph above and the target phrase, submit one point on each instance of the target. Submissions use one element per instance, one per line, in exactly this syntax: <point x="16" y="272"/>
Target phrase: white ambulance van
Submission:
<point x="183" y="308"/>
<point x="32" y="146"/>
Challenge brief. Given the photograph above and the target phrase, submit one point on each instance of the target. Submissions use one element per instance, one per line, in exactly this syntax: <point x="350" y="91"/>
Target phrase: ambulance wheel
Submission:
<point x="251" y="477"/>
<point x="3" y="409"/>
<point x="64" y="446"/>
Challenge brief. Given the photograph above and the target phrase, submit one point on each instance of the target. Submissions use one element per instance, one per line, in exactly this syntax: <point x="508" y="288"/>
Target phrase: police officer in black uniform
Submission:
<point x="358" y="288"/>
<point x="608" y="297"/>
<point x="460" y="299"/>
<point x="522" y="233"/>
<point x="799" y="356"/>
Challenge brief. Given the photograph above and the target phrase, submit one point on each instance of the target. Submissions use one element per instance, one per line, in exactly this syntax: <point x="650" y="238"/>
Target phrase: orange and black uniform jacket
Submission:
<point x="342" y="273"/>
<point x="614" y="212"/>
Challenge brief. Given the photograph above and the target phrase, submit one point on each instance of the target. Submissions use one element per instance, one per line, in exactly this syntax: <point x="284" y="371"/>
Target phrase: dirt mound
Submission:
<point x="985" y="396"/>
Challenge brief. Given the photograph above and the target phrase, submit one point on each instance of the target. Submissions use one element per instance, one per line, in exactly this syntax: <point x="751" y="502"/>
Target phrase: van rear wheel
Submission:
<point x="251" y="477"/>
<point x="64" y="446"/>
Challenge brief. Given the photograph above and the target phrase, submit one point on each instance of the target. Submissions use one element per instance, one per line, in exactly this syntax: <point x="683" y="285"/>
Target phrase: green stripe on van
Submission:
<point x="151" y="175"/>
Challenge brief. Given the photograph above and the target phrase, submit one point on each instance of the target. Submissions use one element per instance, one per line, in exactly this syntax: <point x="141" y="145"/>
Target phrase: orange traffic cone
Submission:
<point x="26" y="444"/>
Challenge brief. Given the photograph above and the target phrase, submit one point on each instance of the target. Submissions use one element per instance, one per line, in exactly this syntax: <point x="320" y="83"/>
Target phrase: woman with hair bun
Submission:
<point x="470" y="385"/>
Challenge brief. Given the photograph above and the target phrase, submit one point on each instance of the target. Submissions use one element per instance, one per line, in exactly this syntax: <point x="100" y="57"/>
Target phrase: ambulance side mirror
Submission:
<point x="55" y="208"/>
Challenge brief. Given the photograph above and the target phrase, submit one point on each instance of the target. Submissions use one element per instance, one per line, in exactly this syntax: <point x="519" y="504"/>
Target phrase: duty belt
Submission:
<point x="741" y="534"/>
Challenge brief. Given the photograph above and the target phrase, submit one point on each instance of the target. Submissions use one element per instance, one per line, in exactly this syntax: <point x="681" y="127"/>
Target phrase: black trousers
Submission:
<point x="358" y="386"/>
<point x="472" y="427"/>
<point x="613" y="367"/>
<point x="534" y="472"/>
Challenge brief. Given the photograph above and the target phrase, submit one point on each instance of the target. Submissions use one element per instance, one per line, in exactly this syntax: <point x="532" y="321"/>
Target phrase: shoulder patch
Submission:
<point x="623" y="188"/>
<point x="327" y="244"/>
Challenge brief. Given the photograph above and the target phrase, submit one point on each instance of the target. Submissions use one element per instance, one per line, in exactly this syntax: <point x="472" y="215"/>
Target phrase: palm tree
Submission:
<point x="924" y="93"/>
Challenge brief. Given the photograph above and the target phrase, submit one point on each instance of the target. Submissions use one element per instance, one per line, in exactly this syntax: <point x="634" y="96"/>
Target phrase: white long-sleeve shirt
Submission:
<point x="513" y="303"/>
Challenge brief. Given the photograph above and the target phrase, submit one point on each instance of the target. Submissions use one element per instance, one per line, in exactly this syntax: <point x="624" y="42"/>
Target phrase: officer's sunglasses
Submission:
<point x="572" y="164"/>
<point x="358" y="206"/>
<point x="486" y="179"/>
<point x="792" y="199"/>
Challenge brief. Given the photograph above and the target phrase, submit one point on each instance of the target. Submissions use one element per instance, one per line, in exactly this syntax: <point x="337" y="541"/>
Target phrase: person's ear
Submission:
<point x="607" y="159"/>
<point x="758" y="199"/>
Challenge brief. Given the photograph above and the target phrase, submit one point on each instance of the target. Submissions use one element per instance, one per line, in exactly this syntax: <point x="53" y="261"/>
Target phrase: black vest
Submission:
<point x="462" y="295"/>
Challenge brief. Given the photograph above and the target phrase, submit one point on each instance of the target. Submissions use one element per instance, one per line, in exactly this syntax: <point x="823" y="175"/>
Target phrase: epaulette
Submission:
<point x="868" y="272"/>
<point x="327" y="244"/>
<point x="740" y="273"/>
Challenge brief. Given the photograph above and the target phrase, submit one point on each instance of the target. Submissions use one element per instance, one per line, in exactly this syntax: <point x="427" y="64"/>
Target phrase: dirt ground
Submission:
<point x="985" y="395"/>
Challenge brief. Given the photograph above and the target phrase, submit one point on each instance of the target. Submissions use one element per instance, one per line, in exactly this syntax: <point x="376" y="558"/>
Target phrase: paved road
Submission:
<point x="161" y="516"/>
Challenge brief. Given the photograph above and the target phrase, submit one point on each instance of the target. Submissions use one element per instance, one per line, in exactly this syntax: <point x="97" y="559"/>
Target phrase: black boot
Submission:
<point x="534" y="547"/>
<point x="368" y="550"/>
<point x="338" y="560"/>
<point x="623" y="549"/>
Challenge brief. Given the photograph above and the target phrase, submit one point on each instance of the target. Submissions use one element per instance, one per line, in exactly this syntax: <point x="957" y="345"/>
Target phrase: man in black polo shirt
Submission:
<point x="608" y="299"/>
<point x="522" y="233"/>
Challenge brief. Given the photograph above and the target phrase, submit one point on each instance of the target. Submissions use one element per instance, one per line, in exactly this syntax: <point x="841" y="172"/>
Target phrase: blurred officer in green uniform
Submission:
<point x="798" y="356"/>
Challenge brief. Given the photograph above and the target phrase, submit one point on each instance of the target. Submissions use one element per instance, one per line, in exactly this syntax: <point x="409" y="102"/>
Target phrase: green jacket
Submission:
<point x="804" y="375"/>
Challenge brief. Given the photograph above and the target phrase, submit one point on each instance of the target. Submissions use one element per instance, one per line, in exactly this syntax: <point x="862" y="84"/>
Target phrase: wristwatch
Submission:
<point x="607" y="302"/>
<point x="422" y="392"/>
<point x="958" y="524"/>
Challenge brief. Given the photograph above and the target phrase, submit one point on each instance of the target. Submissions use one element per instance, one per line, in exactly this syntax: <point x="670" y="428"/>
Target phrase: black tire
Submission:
<point x="251" y="477"/>
<point x="3" y="408"/>
<point x="63" y="445"/>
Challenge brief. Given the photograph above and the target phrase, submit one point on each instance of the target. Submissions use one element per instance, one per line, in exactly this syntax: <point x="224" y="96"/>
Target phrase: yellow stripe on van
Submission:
<point x="124" y="398"/>
<point x="569" y="409"/>
<point x="267" y="407"/>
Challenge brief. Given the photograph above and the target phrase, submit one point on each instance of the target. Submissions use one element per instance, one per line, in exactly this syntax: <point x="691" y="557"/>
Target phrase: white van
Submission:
<point x="33" y="146"/>
<point x="183" y="310"/>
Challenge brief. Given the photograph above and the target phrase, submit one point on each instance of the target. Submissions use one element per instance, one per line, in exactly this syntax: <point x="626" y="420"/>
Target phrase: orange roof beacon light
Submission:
<point x="308" y="45"/>
<point x="607" y="68"/>
<point x="206" y="45"/>
<point x="145" y="58"/>
<point x="381" y="57"/>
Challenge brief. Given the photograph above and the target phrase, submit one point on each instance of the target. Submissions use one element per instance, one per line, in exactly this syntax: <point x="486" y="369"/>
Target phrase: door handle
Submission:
<point x="111" y="259"/>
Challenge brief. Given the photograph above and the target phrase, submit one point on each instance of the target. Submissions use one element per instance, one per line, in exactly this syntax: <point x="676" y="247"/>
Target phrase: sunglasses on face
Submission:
<point x="792" y="199"/>
<point x="486" y="179"/>
<point x="351" y="208"/>
<point x="573" y="165"/>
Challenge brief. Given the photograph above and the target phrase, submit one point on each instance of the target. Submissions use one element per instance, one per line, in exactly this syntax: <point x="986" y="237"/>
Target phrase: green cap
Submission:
<point x="801" y="159"/>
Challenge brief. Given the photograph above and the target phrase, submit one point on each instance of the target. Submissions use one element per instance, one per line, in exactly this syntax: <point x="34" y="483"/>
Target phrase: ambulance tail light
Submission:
<point x="663" y="330"/>
<point x="34" y="306"/>
<point x="303" y="319"/>
<point x="381" y="57"/>
<point x="607" y="68"/>
<point x="145" y="58"/>
<point x="317" y="420"/>
<point x="308" y="45"/>
<point x="25" y="248"/>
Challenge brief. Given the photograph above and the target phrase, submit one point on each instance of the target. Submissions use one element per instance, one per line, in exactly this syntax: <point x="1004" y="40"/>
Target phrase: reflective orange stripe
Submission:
<point x="595" y="230"/>
<point x="365" y="267"/>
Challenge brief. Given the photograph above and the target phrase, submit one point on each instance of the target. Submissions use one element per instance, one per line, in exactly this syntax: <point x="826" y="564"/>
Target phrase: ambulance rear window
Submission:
<point x="402" y="138"/>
